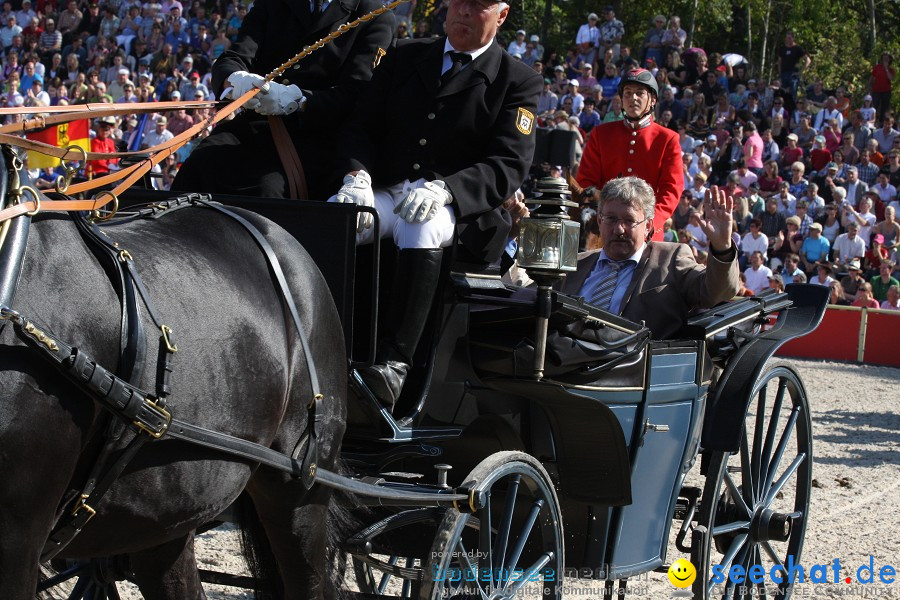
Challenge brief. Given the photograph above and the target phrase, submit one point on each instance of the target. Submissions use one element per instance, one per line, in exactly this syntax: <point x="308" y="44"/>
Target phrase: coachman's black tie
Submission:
<point x="318" y="9"/>
<point x="459" y="60"/>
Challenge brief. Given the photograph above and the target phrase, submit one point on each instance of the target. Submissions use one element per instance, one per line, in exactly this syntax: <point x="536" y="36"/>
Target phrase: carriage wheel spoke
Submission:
<point x="81" y="586"/>
<point x="484" y="540"/>
<point x="756" y="456"/>
<point x="736" y="544"/>
<point x="62" y="576"/>
<point x="731" y="590"/>
<point x="542" y="561"/>
<point x="736" y="494"/>
<point x="749" y="485"/>
<point x="790" y="472"/>
<point x="471" y="568"/>
<point x="523" y="536"/>
<point x="773" y="423"/>
<point x="729" y="527"/>
<point x="782" y="446"/>
<point x="757" y="560"/>
<point x="773" y="556"/>
<point x="506" y="523"/>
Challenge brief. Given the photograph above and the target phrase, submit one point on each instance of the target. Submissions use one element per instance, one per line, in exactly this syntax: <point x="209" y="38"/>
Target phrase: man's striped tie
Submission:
<point x="603" y="293"/>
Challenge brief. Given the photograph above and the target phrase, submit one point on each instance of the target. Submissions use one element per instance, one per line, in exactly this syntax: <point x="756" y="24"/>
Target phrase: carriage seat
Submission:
<point x="585" y="345"/>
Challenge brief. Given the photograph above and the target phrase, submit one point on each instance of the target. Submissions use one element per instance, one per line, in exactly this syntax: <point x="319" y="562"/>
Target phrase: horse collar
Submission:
<point x="13" y="235"/>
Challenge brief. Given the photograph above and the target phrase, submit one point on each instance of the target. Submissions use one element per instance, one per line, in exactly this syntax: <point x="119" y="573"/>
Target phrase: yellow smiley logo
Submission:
<point x="682" y="573"/>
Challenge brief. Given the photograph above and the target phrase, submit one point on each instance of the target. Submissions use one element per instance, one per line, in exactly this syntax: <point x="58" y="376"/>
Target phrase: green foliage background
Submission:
<point x="836" y="33"/>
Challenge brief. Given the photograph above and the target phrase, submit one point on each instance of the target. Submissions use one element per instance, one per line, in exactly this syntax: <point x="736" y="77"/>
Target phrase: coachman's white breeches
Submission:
<point x="435" y="233"/>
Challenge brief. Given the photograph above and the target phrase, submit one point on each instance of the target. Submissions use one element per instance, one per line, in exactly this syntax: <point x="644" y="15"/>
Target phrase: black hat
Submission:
<point x="642" y="77"/>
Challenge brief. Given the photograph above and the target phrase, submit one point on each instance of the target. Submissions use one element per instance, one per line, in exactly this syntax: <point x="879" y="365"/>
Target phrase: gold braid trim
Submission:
<point x="332" y="36"/>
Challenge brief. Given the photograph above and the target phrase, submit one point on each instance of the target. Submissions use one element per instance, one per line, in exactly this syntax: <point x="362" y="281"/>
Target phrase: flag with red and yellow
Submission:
<point x="75" y="133"/>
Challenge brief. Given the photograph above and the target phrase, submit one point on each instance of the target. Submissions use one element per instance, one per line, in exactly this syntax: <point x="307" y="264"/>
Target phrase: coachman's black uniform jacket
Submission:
<point x="240" y="157"/>
<point x="476" y="133"/>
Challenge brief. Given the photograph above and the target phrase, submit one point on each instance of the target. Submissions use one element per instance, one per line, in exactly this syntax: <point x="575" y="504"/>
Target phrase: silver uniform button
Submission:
<point x="629" y="169"/>
<point x="632" y="142"/>
<point x="416" y="166"/>
<point x="423" y="141"/>
<point x="286" y="81"/>
<point x="431" y="116"/>
<point x="631" y="151"/>
<point x="634" y="134"/>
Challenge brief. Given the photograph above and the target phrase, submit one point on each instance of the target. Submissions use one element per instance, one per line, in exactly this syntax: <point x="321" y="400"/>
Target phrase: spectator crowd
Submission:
<point x="814" y="174"/>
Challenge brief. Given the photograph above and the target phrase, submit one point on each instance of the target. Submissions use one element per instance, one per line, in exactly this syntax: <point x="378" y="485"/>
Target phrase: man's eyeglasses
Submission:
<point x="627" y="224"/>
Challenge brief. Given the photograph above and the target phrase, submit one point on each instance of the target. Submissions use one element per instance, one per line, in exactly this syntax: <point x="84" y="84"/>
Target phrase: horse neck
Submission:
<point x="63" y="286"/>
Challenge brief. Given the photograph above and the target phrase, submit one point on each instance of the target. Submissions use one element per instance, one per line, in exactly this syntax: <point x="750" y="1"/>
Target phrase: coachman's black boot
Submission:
<point x="415" y="282"/>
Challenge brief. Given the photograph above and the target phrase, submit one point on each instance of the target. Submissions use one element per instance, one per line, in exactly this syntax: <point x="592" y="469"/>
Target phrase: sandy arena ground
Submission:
<point x="855" y="508"/>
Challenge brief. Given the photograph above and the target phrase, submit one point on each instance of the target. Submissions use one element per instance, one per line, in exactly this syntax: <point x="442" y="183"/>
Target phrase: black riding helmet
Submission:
<point x="641" y="77"/>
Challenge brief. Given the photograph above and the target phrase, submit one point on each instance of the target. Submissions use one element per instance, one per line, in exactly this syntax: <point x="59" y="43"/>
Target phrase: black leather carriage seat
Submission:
<point x="595" y="348"/>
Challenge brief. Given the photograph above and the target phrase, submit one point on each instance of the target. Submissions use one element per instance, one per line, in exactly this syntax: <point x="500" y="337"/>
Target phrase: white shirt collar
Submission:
<point x="448" y="47"/>
<point x="636" y="257"/>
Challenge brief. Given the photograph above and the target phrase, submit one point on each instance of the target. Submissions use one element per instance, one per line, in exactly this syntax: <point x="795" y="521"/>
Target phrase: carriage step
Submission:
<point x="685" y="509"/>
<point x="391" y="430"/>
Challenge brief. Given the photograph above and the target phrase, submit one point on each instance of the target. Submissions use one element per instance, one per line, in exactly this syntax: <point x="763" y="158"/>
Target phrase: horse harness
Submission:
<point x="146" y="414"/>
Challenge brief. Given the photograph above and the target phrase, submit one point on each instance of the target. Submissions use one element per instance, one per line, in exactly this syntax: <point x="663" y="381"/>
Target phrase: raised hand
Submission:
<point x="717" y="218"/>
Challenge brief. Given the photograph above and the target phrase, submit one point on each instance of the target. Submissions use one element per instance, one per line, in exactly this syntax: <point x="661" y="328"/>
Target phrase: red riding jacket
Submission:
<point x="653" y="153"/>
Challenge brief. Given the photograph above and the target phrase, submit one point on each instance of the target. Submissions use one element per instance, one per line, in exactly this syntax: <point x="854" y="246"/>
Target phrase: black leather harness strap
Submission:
<point x="310" y="459"/>
<point x="145" y="411"/>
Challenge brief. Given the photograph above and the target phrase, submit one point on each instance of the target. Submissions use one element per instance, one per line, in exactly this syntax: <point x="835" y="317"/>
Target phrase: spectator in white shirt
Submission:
<point x="158" y="136"/>
<point x="883" y="187"/>
<point x="849" y="245"/>
<point x="589" y="33"/>
<point x="755" y="241"/>
<point x="757" y="274"/>
<point x="518" y="45"/>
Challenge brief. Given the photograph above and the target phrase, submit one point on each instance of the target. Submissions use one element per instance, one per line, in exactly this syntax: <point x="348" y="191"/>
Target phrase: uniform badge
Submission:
<point x="525" y="121"/>
<point x="378" y="56"/>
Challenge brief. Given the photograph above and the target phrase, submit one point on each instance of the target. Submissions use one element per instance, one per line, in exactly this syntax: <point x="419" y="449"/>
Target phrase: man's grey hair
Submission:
<point x="631" y="191"/>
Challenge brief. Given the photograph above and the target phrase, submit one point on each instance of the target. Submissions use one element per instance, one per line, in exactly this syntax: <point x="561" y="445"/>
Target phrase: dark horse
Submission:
<point x="239" y="369"/>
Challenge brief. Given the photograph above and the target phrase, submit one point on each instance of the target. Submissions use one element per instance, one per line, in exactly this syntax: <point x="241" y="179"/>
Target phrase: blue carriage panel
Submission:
<point x="665" y="430"/>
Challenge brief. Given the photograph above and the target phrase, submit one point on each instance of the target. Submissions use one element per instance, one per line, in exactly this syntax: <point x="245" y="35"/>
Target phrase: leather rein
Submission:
<point x="126" y="177"/>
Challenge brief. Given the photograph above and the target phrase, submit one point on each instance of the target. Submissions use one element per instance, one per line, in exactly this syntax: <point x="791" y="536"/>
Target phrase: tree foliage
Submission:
<point x="833" y="32"/>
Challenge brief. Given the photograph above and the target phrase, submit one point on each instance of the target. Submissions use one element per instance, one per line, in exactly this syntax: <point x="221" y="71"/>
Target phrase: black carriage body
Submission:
<point x="617" y="446"/>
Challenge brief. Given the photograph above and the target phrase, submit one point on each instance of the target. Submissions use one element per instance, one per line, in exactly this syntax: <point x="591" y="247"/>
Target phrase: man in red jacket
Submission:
<point x="103" y="142"/>
<point x="636" y="146"/>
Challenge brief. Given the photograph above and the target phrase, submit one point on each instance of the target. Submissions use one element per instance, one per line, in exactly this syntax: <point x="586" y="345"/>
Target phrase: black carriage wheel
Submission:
<point x="513" y="545"/>
<point x="755" y="503"/>
<point x="80" y="580"/>
<point x="379" y="571"/>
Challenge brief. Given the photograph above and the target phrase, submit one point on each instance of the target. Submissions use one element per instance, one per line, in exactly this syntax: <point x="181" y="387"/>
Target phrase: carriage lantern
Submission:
<point x="548" y="249"/>
<point x="548" y="239"/>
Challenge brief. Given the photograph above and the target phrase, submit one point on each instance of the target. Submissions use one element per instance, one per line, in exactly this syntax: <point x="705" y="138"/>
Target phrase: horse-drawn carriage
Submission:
<point x="487" y="480"/>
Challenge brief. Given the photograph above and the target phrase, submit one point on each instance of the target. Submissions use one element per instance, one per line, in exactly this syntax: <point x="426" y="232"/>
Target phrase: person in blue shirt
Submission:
<point x="589" y="117"/>
<point x="610" y="80"/>
<point x="815" y="248"/>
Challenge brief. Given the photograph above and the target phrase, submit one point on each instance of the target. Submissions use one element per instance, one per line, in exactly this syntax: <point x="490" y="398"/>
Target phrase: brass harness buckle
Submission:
<point x="154" y="404"/>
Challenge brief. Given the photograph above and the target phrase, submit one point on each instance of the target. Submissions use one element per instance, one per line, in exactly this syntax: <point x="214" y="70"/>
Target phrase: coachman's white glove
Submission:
<point x="281" y="100"/>
<point x="357" y="189"/>
<point x="242" y="82"/>
<point x="423" y="203"/>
